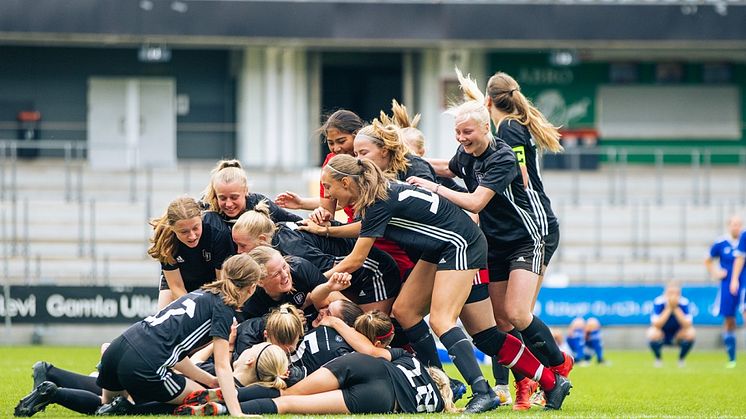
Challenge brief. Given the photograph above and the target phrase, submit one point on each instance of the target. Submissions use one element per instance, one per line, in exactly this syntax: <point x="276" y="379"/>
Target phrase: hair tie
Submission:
<point x="256" y="363"/>
<point x="387" y="335"/>
<point x="284" y="310"/>
<point x="341" y="172"/>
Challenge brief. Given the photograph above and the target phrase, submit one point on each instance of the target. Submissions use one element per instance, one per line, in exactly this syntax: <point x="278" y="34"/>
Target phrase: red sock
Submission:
<point x="514" y="355"/>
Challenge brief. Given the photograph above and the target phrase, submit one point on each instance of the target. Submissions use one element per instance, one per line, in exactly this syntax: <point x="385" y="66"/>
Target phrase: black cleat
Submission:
<point x="37" y="400"/>
<point x="482" y="402"/>
<point x="457" y="388"/>
<point x="120" y="406"/>
<point x="556" y="396"/>
<point x="39" y="373"/>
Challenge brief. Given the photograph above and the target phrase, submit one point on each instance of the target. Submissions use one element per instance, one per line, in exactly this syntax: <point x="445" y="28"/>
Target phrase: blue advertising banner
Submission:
<point x="621" y="305"/>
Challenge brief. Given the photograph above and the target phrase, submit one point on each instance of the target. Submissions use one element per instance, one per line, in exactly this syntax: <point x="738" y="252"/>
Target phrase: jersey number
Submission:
<point x="433" y="199"/>
<point x="188" y="309"/>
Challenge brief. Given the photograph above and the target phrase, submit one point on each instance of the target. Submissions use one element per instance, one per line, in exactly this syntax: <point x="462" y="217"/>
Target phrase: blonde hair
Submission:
<point x="226" y="171"/>
<point x="408" y="132"/>
<point x="256" y="222"/>
<point x="164" y="240"/>
<point x="442" y="381"/>
<point x="284" y="325"/>
<point x="506" y="96"/>
<point x="262" y="254"/>
<point x="472" y="108"/>
<point x="371" y="183"/>
<point x="376" y="326"/>
<point x="239" y="272"/>
<point x="385" y="135"/>
<point x="271" y="366"/>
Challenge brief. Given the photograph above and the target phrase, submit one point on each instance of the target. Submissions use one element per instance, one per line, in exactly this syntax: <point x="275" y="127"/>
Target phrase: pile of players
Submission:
<point x="262" y="311"/>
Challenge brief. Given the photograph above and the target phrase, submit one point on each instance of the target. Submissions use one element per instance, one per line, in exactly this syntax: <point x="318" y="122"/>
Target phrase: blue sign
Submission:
<point x="621" y="305"/>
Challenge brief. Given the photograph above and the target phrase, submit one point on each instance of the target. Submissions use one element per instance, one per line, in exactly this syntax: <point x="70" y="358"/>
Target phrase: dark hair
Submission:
<point x="349" y="312"/>
<point x="346" y="121"/>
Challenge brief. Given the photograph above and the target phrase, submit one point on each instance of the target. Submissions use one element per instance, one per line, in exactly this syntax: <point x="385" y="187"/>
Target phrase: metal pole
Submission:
<point x="105" y="272"/>
<point x="599" y="228"/>
<point x="14" y="226"/>
<point x="13" y="170"/>
<point x="706" y="175"/>
<point x="611" y="157"/>
<point x="682" y="228"/>
<point x="695" y="176"/>
<point x="133" y="185"/>
<point x="92" y="232"/>
<point x="81" y="228"/>
<point x="623" y="178"/>
<point x="4" y="159"/>
<point x="68" y="182"/>
<point x="659" y="175"/>
<point x="575" y="155"/>
<point x="634" y="230"/>
<point x="646" y="229"/>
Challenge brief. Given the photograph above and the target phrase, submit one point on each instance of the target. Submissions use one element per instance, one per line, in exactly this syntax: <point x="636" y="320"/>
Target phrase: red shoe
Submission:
<point x="565" y="367"/>
<point x="207" y="409"/>
<point x="204" y="396"/>
<point x="523" y="391"/>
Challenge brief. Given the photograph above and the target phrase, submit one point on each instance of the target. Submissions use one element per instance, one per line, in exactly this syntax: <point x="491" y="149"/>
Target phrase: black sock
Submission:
<point x="517" y="376"/>
<point x="255" y="391"/>
<point x="80" y="401"/>
<point x="462" y="352"/>
<point x="540" y="342"/>
<point x="258" y="407"/>
<point x="499" y="371"/>
<point x="69" y="379"/>
<point x="151" y="408"/>
<point x="400" y="338"/>
<point x="655" y="346"/>
<point x="490" y="341"/>
<point x="424" y="344"/>
<point x="684" y="347"/>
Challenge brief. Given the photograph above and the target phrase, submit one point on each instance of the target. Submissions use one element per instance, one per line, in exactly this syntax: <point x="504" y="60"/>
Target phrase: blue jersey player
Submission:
<point x="725" y="250"/>
<point x="671" y="322"/>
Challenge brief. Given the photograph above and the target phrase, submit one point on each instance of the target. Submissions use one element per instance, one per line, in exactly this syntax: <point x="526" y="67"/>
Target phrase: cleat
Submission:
<point x="37" y="400"/>
<point x="682" y="364"/>
<point x="538" y="398"/>
<point x="204" y="396"/>
<point x="207" y="409"/>
<point x="39" y="373"/>
<point x="119" y="406"/>
<point x="503" y="393"/>
<point x="657" y="363"/>
<point x="482" y="402"/>
<point x="523" y="391"/>
<point x="730" y="364"/>
<point x="458" y="388"/>
<point x="556" y="396"/>
<point x="565" y="367"/>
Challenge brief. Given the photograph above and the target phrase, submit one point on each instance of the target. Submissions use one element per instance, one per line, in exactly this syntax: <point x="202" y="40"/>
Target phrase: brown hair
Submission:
<point x="369" y="179"/>
<point x="376" y="326"/>
<point x="238" y="273"/>
<point x="506" y="96"/>
<point x="385" y="135"/>
<point x="226" y="171"/>
<point x="164" y="241"/>
<point x="256" y="222"/>
<point x="349" y="311"/>
<point x="284" y="325"/>
<point x="345" y="121"/>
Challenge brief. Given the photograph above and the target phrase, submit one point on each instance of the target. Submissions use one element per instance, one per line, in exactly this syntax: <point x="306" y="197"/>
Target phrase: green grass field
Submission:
<point x="629" y="387"/>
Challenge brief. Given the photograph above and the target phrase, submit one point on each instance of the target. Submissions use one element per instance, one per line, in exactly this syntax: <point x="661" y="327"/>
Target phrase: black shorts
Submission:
<point x="505" y="257"/>
<point x="365" y="383"/>
<point x="122" y="368"/>
<point x="460" y="258"/>
<point x="377" y="280"/>
<point x="551" y="243"/>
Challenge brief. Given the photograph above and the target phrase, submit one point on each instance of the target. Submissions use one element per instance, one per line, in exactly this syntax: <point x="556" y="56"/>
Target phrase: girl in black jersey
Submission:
<point x="292" y="280"/>
<point x="140" y="362"/>
<point x="508" y="217"/>
<point x="373" y="286"/>
<point x="190" y="250"/>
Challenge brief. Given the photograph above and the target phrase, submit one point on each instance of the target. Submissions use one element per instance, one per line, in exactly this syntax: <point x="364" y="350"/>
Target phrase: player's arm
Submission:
<point x="327" y="292"/>
<point x="356" y="258"/>
<point x="344" y="231"/>
<point x="735" y="274"/>
<point x="291" y="200"/>
<point x="187" y="367"/>
<point x="202" y="355"/>
<point x="355" y="339"/>
<point x="225" y="376"/>
<point x="473" y="202"/>
<point x="441" y="167"/>
<point x="715" y="271"/>
<point x="661" y="319"/>
<point x="175" y="282"/>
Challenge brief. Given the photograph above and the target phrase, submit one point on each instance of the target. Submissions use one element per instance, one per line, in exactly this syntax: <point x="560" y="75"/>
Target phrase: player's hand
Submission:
<point x="321" y="216"/>
<point x="289" y="200"/>
<point x="733" y="288"/>
<point x="232" y="335"/>
<point x="311" y="227"/>
<point x="720" y="274"/>
<point x="673" y="302"/>
<point x="328" y="321"/>
<point x="214" y="383"/>
<point x="339" y="281"/>
<point x="422" y="183"/>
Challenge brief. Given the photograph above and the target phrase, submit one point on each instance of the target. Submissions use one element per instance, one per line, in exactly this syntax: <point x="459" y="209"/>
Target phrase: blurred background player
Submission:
<point x="671" y="321"/>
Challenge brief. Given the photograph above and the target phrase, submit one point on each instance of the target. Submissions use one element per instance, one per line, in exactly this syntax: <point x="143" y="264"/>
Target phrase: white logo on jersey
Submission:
<point x="179" y="259"/>
<point x="206" y="255"/>
<point x="442" y="260"/>
<point x="362" y="294"/>
<point x="520" y="259"/>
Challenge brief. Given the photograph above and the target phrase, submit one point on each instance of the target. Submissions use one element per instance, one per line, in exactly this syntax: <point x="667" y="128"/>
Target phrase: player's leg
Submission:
<point x="655" y="338"/>
<point x="685" y="337"/>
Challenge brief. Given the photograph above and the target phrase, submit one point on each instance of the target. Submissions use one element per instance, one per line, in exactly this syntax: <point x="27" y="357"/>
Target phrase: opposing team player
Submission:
<point x="671" y="322"/>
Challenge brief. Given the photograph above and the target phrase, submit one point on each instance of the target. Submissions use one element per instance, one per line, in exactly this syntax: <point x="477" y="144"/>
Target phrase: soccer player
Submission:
<point x="725" y="250"/>
<point x="191" y="251"/>
<point x="671" y="321"/>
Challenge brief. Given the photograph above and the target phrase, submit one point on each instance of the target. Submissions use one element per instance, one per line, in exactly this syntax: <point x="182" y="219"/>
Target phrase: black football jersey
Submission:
<point x="417" y="167"/>
<point x="414" y="388"/>
<point x="509" y="215"/>
<point x="190" y="321"/>
<point x="519" y="138"/>
<point x="197" y="265"/>
<point x="318" y="347"/>
<point x="419" y="220"/>
<point x="249" y="333"/>
<point x="305" y="276"/>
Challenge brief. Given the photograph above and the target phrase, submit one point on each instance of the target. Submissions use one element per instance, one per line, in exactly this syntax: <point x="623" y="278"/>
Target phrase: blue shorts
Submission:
<point x="669" y="334"/>
<point x="727" y="304"/>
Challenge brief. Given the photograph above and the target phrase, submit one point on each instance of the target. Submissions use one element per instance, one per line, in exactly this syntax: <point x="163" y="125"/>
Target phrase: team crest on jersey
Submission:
<point x="179" y="259"/>
<point x="299" y="298"/>
<point x="207" y="256"/>
<point x="727" y="250"/>
<point x="479" y="176"/>
<point x="338" y="339"/>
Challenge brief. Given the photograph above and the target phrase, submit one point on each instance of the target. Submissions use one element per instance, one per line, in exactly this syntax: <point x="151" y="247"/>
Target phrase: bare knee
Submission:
<point x="654" y="333"/>
<point x="405" y="315"/>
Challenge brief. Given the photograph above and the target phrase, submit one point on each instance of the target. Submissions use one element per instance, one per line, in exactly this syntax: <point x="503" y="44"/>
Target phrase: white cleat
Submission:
<point x="503" y="392"/>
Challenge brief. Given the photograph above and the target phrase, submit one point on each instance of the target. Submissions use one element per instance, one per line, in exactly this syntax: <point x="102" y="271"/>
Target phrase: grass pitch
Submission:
<point x="629" y="387"/>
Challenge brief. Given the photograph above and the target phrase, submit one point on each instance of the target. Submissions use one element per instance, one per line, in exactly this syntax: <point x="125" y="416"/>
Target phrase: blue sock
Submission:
<point x="729" y="339"/>
<point x="685" y="346"/>
<point x="595" y="342"/>
<point x="656" y="346"/>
